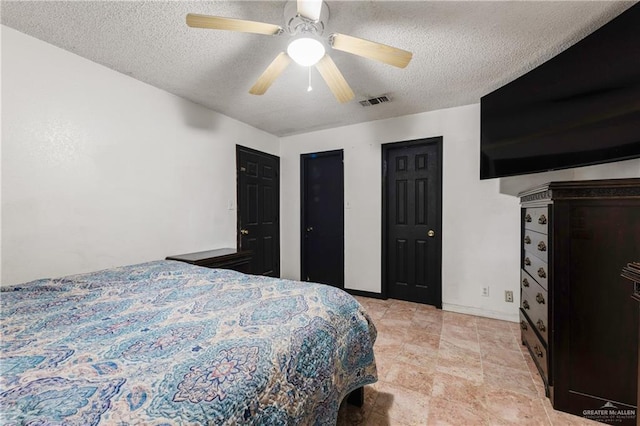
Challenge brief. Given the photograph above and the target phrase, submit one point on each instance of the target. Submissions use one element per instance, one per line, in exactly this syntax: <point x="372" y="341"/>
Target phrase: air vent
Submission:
<point x="375" y="101"/>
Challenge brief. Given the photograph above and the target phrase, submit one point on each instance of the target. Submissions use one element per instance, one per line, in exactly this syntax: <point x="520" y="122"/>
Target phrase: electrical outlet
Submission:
<point x="508" y="296"/>
<point x="485" y="291"/>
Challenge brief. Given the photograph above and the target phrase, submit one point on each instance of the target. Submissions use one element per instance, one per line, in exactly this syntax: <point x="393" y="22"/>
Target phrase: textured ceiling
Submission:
<point x="461" y="51"/>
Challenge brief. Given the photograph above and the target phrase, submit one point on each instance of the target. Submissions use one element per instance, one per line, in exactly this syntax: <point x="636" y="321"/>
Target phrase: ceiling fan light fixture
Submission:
<point x="305" y="51"/>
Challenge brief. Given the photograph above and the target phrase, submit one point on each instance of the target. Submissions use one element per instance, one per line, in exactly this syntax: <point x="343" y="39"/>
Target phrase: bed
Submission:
<point x="166" y="342"/>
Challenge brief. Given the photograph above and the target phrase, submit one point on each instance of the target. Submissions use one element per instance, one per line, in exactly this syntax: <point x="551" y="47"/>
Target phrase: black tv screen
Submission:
<point x="581" y="107"/>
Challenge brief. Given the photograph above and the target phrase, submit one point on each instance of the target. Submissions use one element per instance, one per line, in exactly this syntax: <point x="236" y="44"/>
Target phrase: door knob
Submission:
<point x="244" y="232"/>
<point x="309" y="229"/>
<point x="431" y="233"/>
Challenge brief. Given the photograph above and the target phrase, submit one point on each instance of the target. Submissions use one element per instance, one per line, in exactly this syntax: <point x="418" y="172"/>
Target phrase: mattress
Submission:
<point x="166" y="342"/>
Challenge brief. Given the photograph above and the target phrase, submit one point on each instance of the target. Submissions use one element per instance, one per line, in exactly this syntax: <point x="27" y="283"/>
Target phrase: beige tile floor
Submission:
<point x="444" y="368"/>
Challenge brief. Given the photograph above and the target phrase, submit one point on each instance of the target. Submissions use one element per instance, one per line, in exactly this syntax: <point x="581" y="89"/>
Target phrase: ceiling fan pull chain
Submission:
<point x="309" y="88"/>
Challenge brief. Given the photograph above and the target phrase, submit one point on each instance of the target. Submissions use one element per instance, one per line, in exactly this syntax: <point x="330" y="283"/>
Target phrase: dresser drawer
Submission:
<point x="225" y="258"/>
<point x="536" y="219"/>
<point x="536" y="348"/>
<point x="241" y="264"/>
<point x="536" y="243"/>
<point x="537" y="268"/>
<point x="534" y="301"/>
<point x="525" y="280"/>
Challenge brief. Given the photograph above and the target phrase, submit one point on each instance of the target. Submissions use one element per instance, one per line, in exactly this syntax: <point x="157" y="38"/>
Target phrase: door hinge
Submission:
<point x="384" y="168"/>
<point x="243" y="169"/>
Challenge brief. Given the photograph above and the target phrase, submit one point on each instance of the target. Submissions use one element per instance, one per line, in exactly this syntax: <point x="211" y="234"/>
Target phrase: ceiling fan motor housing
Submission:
<point x="297" y="24"/>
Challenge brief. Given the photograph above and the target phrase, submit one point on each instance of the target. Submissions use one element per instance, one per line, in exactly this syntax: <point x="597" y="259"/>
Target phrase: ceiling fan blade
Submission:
<point x="371" y="50"/>
<point x="269" y="75"/>
<point x="334" y="79"/>
<point x="310" y="9"/>
<point x="229" y="24"/>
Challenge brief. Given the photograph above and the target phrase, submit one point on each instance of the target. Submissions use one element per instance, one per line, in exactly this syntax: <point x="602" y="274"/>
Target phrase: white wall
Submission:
<point x="621" y="169"/>
<point x="480" y="218"/>
<point x="0" y="162"/>
<point x="99" y="169"/>
<point x="618" y="170"/>
<point x="478" y="249"/>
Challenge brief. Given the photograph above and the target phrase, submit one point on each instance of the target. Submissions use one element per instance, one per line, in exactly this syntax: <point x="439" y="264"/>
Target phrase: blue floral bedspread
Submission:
<point x="169" y="343"/>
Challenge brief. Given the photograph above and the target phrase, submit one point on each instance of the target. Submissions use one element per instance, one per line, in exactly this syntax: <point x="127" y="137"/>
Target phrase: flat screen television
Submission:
<point x="581" y="107"/>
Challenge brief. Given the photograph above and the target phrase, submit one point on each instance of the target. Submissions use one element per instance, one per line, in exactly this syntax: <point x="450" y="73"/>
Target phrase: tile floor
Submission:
<point x="444" y="368"/>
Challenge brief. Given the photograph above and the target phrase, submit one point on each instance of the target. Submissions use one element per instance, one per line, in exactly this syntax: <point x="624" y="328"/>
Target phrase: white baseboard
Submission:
<point x="481" y="312"/>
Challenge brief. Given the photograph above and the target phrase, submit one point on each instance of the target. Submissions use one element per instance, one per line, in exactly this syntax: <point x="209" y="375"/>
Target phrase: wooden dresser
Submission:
<point x="577" y="318"/>
<point x="225" y="258"/>
<point x="631" y="272"/>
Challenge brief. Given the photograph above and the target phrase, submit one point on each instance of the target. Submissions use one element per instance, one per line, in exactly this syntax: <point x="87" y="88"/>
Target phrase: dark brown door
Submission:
<point x="322" y="221"/>
<point x="259" y="209"/>
<point x="412" y="200"/>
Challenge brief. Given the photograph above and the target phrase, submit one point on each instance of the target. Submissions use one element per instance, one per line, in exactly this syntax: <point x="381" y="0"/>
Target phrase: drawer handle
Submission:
<point x="542" y="220"/>
<point x="525" y="282"/>
<point x="540" y="298"/>
<point x="537" y="350"/>
<point x="523" y="325"/>
<point x="525" y="304"/>
<point x="540" y="325"/>
<point x="527" y="261"/>
<point x="527" y="218"/>
<point x="542" y="246"/>
<point x="527" y="240"/>
<point x="542" y="273"/>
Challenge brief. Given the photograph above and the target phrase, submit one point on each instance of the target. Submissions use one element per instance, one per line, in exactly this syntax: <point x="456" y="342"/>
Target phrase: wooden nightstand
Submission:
<point x="225" y="258"/>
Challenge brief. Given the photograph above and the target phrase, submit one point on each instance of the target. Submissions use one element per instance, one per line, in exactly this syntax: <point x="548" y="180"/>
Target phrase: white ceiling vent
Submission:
<point x="375" y="101"/>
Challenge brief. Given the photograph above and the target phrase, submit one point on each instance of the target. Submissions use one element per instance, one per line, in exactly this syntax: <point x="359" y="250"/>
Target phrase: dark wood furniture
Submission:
<point x="577" y="319"/>
<point x="632" y="273"/>
<point x="225" y="258"/>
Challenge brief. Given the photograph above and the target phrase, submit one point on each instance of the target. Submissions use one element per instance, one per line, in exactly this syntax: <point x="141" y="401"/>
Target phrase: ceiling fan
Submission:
<point x="305" y="22"/>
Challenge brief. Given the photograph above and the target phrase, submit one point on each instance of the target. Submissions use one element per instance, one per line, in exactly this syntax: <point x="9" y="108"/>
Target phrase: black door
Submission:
<point x="322" y="218"/>
<point x="412" y="200"/>
<point x="259" y="209"/>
